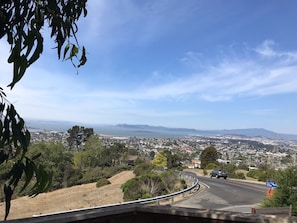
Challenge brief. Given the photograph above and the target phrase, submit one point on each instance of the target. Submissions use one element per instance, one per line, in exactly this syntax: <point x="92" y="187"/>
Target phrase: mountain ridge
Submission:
<point x="249" y="132"/>
<point x="144" y="130"/>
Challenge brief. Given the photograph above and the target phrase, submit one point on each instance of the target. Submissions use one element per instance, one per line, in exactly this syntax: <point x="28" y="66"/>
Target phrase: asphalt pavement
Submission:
<point x="227" y="195"/>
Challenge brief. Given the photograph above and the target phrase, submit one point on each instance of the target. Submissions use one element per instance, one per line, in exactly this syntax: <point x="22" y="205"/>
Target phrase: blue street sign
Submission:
<point x="271" y="183"/>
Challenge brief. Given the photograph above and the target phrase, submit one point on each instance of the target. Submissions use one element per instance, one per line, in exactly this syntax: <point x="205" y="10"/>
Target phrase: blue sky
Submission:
<point x="195" y="64"/>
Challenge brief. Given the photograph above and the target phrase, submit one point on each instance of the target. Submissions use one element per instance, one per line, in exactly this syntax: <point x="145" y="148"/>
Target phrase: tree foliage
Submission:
<point x="15" y="165"/>
<point x="95" y="154"/>
<point x="91" y="155"/>
<point x="55" y="158"/>
<point x="118" y="152"/>
<point x="263" y="175"/>
<point x="143" y="168"/>
<point x="233" y="172"/>
<point x="170" y="179"/>
<point x="208" y="155"/>
<point x="21" y="23"/>
<point x="173" y="160"/>
<point x="150" y="181"/>
<point x="160" y="159"/>
<point x="286" y="191"/>
<point x="144" y="186"/>
<point x="78" y="135"/>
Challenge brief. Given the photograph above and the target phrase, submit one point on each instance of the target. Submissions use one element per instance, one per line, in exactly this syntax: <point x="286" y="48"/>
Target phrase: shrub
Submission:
<point x="211" y="166"/>
<point x="143" y="168"/>
<point x="183" y="184"/>
<point x="131" y="190"/>
<point x="243" y="166"/>
<point x="240" y="175"/>
<point x="170" y="179"/>
<point x="205" y="172"/>
<point x="256" y="174"/>
<point x="102" y="182"/>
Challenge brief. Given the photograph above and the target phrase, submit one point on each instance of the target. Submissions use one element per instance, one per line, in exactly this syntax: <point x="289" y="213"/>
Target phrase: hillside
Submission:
<point x="75" y="197"/>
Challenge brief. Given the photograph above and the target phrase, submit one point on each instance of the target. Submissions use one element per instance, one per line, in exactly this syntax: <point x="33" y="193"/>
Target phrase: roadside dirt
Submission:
<point x="75" y="197"/>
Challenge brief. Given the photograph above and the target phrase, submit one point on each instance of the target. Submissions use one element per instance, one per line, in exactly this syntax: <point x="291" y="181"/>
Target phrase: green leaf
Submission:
<point x="29" y="172"/>
<point x="83" y="58"/>
<point x="43" y="181"/>
<point x="16" y="174"/>
<point x="8" y="194"/>
<point x="74" y="52"/>
<point x="15" y="52"/>
<point x="67" y="47"/>
<point x="38" y="50"/>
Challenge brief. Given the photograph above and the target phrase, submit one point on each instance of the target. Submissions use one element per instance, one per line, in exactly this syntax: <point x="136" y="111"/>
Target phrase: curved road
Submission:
<point x="231" y="195"/>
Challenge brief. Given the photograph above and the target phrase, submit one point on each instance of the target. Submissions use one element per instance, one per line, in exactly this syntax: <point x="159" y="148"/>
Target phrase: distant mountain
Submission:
<point x="251" y="132"/>
<point x="154" y="131"/>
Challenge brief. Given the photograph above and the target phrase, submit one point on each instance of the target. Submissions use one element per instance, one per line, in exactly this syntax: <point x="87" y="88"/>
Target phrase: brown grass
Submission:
<point x="75" y="197"/>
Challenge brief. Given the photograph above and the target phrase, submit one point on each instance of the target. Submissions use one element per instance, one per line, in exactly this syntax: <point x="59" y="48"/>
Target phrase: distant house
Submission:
<point x="195" y="164"/>
<point x="131" y="159"/>
<point x="223" y="161"/>
<point x="252" y="168"/>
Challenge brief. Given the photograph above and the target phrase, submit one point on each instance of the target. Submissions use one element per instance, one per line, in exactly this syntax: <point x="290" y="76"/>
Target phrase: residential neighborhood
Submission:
<point x="235" y="149"/>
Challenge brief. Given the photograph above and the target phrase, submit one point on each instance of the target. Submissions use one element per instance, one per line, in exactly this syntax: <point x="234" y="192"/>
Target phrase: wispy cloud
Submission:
<point x="225" y="79"/>
<point x="262" y="112"/>
<point x="230" y="77"/>
<point x="116" y="23"/>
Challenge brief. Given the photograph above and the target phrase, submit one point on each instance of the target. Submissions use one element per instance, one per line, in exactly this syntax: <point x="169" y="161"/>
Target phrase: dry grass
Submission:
<point x="75" y="197"/>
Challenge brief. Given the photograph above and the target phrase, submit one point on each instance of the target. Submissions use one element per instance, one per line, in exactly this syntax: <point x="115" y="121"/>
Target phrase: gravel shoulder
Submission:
<point x="81" y="196"/>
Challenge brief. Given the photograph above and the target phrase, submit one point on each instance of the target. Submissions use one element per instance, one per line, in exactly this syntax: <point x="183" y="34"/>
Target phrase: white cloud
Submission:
<point x="266" y="48"/>
<point x="115" y="23"/>
<point x="262" y="112"/>
<point x="229" y="78"/>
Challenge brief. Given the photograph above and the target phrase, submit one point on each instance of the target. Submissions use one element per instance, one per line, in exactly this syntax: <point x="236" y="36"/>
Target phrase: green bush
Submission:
<point x="183" y="184"/>
<point x="261" y="175"/>
<point x="144" y="186"/>
<point x="240" y="175"/>
<point x="91" y="175"/>
<point x="243" y="166"/>
<point x="94" y="174"/>
<point x="254" y="173"/>
<point x="205" y="172"/>
<point x="102" y="182"/>
<point x="169" y="179"/>
<point x="285" y="194"/>
<point x="131" y="190"/>
<point x="143" y="168"/>
<point x="211" y="166"/>
<point x="230" y="169"/>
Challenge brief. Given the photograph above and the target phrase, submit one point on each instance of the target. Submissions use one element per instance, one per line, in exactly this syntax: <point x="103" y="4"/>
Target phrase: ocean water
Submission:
<point x="113" y="130"/>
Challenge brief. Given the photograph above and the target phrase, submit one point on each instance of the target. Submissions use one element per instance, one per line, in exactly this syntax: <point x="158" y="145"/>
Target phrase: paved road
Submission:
<point x="231" y="195"/>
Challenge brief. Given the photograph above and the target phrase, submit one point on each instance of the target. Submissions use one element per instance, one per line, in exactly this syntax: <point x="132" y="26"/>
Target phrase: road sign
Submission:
<point x="271" y="184"/>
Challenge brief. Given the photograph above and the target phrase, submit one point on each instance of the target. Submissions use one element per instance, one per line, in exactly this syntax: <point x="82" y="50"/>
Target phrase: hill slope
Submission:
<point x="81" y="196"/>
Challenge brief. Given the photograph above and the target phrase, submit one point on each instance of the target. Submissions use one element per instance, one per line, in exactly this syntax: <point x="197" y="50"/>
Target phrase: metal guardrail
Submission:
<point x="183" y="174"/>
<point x="168" y="196"/>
